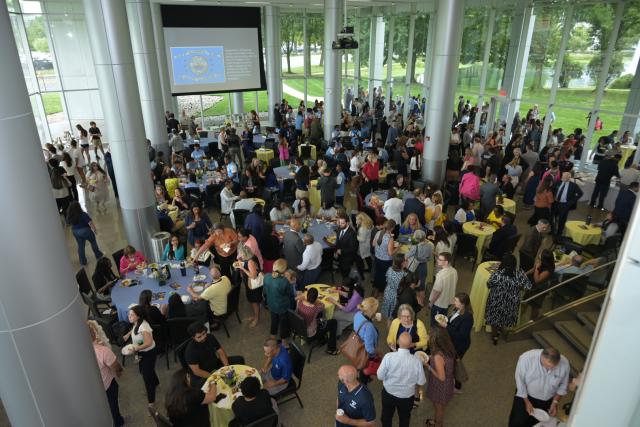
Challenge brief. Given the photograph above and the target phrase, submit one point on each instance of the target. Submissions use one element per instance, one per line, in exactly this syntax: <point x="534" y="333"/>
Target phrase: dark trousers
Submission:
<point x="389" y="405"/>
<point x="112" y="397"/>
<point x="82" y="235"/>
<point x="73" y="188"/>
<point x="279" y="323"/>
<point x="147" y="367"/>
<point x="519" y="417"/>
<point x="329" y="330"/>
<point x="600" y="190"/>
<point x="360" y="265"/>
<point x="309" y="277"/>
<point x="540" y="213"/>
<point x="340" y="200"/>
<point x="435" y="310"/>
<point x="560" y="215"/>
<point x="225" y="263"/>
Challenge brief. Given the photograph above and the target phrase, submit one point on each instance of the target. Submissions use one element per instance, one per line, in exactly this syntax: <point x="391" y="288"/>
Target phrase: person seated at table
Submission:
<point x="410" y="225"/>
<point x="174" y="250"/>
<point x="154" y="315"/>
<point x="277" y="367"/>
<point x="610" y="227"/>
<point x="103" y="277"/>
<point x="254" y="403"/>
<point x="197" y="223"/>
<point x="187" y="405"/>
<point x="577" y="265"/>
<point x="161" y="195"/>
<point x="301" y="208"/>
<point x="400" y="183"/>
<point x="501" y="237"/>
<point x="311" y="260"/>
<point x="227" y="198"/>
<point x="204" y="259"/>
<point x="309" y="308"/>
<point x="193" y="181"/>
<point x="205" y="355"/>
<point x="507" y="186"/>
<point x="130" y="260"/>
<point x="327" y="212"/>
<point x="212" y="164"/>
<point x="495" y="217"/>
<point x="216" y="293"/>
<point x="197" y="153"/>
<point x="191" y="165"/>
<point x="180" y="199"/>
<point x="249" y="182"/>
<point x="281" y="213"/>
<point x="465" y="213"/>
<point x="175" y="308"/>
<point x="243" y="202"/>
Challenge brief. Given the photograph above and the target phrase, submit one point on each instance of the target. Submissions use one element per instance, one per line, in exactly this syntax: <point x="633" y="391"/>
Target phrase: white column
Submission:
<point x="49" y="371"/>
<point x="332" y="65"/>
<point x="238" y="104"/>
<point x="147" y="72"/>
<point x="632" y="109"/>
<point x="378" y="64"/>
<point x="488" y="38"/>
<point x="373" y="32"/>
<point x="113" y="59"/>
<point x="602" y="78"/>
<point x="170" y="103"/>
<point x="428" y="57"/>
<point x="307" y="55"/>
<point x="274" y="60"/>
<point x="356" y="56"/>
<point x="446" y="57"/>
<point x="389" y="91"/>
<point x="408" y="77"/>
<point x="566" y="32"/>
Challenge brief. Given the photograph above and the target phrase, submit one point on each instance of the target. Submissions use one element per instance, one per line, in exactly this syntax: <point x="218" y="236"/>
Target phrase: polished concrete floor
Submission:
<point x="486" y="398"/>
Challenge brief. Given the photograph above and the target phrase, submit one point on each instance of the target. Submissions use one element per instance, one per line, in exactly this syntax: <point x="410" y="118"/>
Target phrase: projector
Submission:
<point x="345" y="40"/>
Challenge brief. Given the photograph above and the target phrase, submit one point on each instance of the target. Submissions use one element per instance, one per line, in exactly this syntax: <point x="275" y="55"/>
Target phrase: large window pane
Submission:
<point x="73" y="53"/>
<point x="43" y="60"/>
<point x="23" y="52"/>
<point x="83" y="107"/>
<point x="315" y="27"/>
<point x="40" y="118"/>
<point x="56" y="116"/>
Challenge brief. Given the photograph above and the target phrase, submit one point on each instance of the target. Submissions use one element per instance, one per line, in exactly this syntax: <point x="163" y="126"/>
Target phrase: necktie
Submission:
<point x="341" y="234"/>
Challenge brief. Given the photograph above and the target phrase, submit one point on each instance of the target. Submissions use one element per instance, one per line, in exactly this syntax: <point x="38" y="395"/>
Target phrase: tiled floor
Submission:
<point x="487" y="396"/>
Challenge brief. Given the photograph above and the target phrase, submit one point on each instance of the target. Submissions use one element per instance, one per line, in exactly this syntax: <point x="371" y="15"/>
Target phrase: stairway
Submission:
<point x="571" y="337"/>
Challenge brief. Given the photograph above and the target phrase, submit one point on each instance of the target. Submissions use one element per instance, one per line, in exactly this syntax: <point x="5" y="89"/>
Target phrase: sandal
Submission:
<point x="332" y="352"/>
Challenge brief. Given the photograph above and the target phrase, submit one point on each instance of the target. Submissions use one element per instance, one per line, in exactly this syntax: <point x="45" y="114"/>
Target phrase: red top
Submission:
<point x="371" y="171"/>
<point x="310" y="316"/>
<point x="418" y="146"/>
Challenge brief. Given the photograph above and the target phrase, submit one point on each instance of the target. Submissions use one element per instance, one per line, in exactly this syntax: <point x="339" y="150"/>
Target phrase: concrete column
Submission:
<point x="333" y="15"/>
<point x="428" y="57"/>
<point x="630" y="120"/>
<point x="356" y="56"/>
<point x="113" y="59"/>
<point x="566" y="32"/>
<point x="307" y="55"/>
<point x="408" y="77"/>
<point x="373" y="32"/>
<point x="274" y="60"/>
<point x="238" y="104"/>
<point x="517" y="58"/>
<point x="488" y="38"/>
<point x="49" y="371"/>
<point x="604" y="71"/>
<point x="147" y="71"/>
<point x="446" y="57"/>
<point x="389" y="91"/>
<point x="170" y="103"/>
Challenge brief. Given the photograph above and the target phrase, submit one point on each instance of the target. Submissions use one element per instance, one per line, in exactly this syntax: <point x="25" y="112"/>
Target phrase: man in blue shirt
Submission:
<point x="254" y="223"/>
<point x="197" y="153"/>
<point x="277" y="368"/>
<point x="355" y="402"/>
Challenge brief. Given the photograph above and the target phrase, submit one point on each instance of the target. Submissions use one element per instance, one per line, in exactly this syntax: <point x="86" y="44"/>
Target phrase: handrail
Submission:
<point x="567" y="281"/>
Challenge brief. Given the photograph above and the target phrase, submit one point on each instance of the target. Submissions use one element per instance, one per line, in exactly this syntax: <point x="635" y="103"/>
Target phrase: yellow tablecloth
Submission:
<point x="264" y="155"/>
<point x="508" y="205"/>
<point x="430" y="264"/>
<point x="259" y="201"/>
<point x="484" y="235"/>
<point x="590" y="236"/>
<point x="314" y="195"/>
<point x="627" y="151"/>
<point x="325" y="291"/>
<point x="220" y="413"/>
<point x="313" y="151"/>
<point x="479" y="293"/>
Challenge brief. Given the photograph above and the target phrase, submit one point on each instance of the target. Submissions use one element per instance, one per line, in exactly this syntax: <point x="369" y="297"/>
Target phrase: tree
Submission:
<point x="290" y="35"/>
<point x="571" y="69"/>
<point x="401" y="41"/>
<point x="579" y="40"/>
<point x="545" y="43"/>
<point x="36" y="35"/>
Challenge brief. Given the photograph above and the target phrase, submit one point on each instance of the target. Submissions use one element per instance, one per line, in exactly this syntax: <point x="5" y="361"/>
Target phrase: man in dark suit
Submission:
<point x="416" y="206"/>
<point x="292" y="246"/>
<point x="625" y="202"/>
<point x="500" y="239"/>
<point x="607" y="169"/>
<point x="567" y="194"/>
<point x="346" y="245"/>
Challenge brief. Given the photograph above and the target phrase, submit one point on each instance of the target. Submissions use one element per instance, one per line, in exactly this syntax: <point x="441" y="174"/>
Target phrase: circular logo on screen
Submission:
<point x="198" y="64"/>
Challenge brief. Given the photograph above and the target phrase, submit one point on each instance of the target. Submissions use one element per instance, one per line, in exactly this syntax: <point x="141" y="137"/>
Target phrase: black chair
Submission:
<point x="298" y="329"/>
<point x="268" y="421"/>
<point x="159" y="419"/>
<point x="117" y="255"/>
<point x="526" y="261"/>
<point x="195" y="196"/>
<point x="288" y="190"/>
<point x="161" y="340"/>
<point x="177" y="332"/>
<point x="611" y="244"/>
<point x="291" y="392"/>
<point x="305" y="152"/>
<point x="240" y="215"/>
<point x="179" y="351"/>
<point x="233" y="301"/>
<point x="327" y="262"/>
<point x="466" y="247"/>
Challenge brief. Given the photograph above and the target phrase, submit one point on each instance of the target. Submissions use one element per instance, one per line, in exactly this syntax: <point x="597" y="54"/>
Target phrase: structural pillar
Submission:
<point x="356" y="57"/>
<point x="169" y="102"/>
<point x="376" y="51"/>
<point x="408" y="77"/>
<point x="113" y="59"/>
<point x="48" y="366"/>
<point x="307" y="55"/>
<point x="428" y="57"/>
<point x="632" y="109"/>
<point x="446" y="57"/>
<point x="333" y="15"/>
<point x="238" y="104"/>
<point x="147" y="72"/>
<point x="488" y="38"/>
<point x="389" y="91"/>
<point x="274" y="60"/>
<point x="602" y="78"/>
<point x="566" y="32"/>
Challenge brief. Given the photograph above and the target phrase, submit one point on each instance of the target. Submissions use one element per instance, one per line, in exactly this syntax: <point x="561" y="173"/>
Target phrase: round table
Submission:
<point x="479" y="292"/>
<point x="324" y="292"/>
<point x="508" y="205"/>
<point x="627" y="151"/>
<point x="317" y="228"/>
<point x="221" y="413"/>
<point x="484" y="235"/>
<point x="382" y="196"/>
<point x="283" y="172"/>
<point x="124" y="296"/>
<point x="264" y="155"/>
<point x="583" y="234"/>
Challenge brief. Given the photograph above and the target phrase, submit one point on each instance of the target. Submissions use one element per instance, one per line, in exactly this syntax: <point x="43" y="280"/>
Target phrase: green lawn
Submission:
<point x="52" y="102"/>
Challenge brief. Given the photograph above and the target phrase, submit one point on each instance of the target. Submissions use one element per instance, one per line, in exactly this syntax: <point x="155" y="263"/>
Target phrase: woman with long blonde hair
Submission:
<point x="364" y="223"/>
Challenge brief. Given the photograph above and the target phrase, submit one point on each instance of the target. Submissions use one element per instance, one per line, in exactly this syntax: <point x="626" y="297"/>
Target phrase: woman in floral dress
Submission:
<point x="394" y="275"/>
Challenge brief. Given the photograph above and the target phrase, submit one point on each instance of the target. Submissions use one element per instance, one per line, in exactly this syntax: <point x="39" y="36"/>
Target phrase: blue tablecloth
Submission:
<point x="258" y="139"/>
<point x="283" y="172"/>
<point x="123" y="297"/>
<point x="318" y="229"/>
<point x="382" y="196"/>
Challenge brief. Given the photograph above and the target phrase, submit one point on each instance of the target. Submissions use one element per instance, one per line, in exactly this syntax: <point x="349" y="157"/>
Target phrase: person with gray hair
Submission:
<point x="311" y="260"/>
<point x="542" y="377"/>
<point x="417" y="258"/>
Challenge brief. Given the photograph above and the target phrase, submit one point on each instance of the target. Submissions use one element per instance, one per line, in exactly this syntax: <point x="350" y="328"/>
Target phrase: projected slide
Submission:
<point x="197" y="65"/>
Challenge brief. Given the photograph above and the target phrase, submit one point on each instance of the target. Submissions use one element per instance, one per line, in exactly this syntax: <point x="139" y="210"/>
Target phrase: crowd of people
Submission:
<point x="397" y="243"/>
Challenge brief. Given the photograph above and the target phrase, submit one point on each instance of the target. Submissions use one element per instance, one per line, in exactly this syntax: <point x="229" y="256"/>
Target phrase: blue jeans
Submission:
<point x="82" y="235"/>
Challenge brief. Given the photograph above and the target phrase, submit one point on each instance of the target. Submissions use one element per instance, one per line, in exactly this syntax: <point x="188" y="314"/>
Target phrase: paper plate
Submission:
<point x="540" y="414"/>
<point x="424" y="358"/>
<point x="185" y="299"/>
<point x="198" y="288"/>
<point x="127" y="350"/>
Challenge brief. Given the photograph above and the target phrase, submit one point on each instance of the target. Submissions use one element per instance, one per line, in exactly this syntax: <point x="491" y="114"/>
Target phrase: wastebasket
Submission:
<point x="158" y="242"/>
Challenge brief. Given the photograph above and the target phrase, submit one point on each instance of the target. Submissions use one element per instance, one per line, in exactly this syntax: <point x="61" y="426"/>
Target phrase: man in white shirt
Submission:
<point x="444" y="287"/>
<point x="400" y="373"/>
<point x="542" y="377"/>
<point x="242" y="203"/>
<point x="393" y="207"/>
<point x="628" y="175"/>
<point x="311" y="260"/>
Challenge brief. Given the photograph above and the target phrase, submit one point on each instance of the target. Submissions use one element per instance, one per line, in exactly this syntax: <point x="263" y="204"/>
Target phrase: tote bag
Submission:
<point x="353" y="349"/>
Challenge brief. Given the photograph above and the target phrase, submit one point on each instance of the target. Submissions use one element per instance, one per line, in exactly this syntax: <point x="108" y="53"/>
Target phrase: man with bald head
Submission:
<point x="292" y="246"/>
<point x="567" y="194"/>
<point x="400" y="373"/>
<point x="355" y="402"/>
